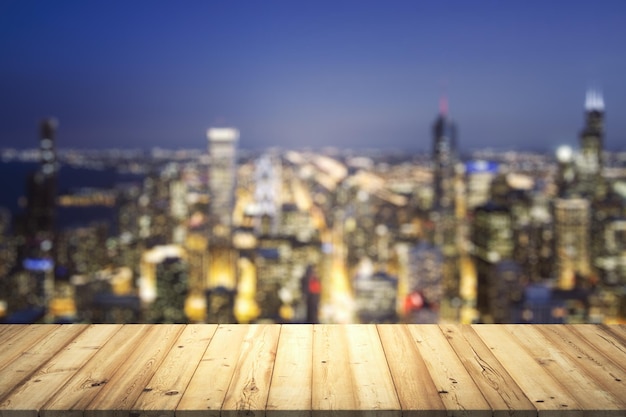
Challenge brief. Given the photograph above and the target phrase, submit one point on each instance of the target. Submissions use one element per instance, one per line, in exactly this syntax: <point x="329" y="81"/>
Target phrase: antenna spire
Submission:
<point x="443" y="105"/>
<point x="594" y="100"/>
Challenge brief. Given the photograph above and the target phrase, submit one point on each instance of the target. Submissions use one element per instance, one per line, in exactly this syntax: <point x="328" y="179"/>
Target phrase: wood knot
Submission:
<point x="171" y="392"/>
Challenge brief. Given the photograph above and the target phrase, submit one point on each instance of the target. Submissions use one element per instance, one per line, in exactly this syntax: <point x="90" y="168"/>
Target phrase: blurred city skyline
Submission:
<point x="291" y="74"/>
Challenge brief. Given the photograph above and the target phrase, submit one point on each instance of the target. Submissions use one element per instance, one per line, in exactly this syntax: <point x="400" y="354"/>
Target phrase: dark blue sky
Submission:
<point x="309" y="73"/>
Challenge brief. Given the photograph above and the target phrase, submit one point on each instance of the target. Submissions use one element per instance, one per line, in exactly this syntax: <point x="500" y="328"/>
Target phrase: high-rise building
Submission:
<point x="492" y="239"/>
<point x="222" y="182"/>
<point x="36" y="254"/>
<point x="444" y="159"/>
<point x="267" y="182"/>
<point x="41" y="195"/>
<point x="572" y="227"/>
<point x="590" y="162"/>
<point x="425" y="289"/>
<point x="444" y="210"/>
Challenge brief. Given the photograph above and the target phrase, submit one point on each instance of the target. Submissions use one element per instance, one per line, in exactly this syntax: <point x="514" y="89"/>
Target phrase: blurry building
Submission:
<point x="169" y="306"/>
<point x="163" y="284"/>
<point x="444" y="160"/>
<point x="36" y="226"/>
<point x="572" y="240"/>
<point x="506" y="292"/>
<point x="83" y="250"/>
<point x="425" y="286"/>
<point x="566" y="171"/>
<point x="590" y="181"/>
<point x="545" y="304"/>
<point x="106" y="296"/>
<point x="375" y="295"/>
<point x="267" y="194"/>
<point x="492" y="242"/>
<point x="311" y="290"/>
<point x="222" y="182"/>
<point x="478" y="176"/>
<point x="444" y="211"/>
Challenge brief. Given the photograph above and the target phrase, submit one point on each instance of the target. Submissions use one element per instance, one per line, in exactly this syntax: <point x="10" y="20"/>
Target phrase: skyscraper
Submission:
<point x="444" y="158"/>
<point x="572" y="225"/>
<point x="41" y="193"/>
<point x="492" y="242"/>
<point x="222" y="271"/>
<point x="36" y="254"/>
<point x="590" y="161"/>
<point x="222" y="182"/>
<point x="443" y="214"/>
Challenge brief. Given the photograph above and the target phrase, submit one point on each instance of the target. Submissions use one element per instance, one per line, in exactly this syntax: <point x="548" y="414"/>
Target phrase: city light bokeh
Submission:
<point x="230" y="235"/>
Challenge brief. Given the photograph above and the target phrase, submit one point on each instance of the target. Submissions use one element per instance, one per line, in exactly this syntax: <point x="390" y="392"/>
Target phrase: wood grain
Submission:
<point x="374" y="389"/>
<point x="588" y="393"/>
<point x="163" y="393"/>
<point x="619" y="331"/>
<point x="547" y="394"/>
<point x="457" y="389"/>
<point x="604" y="341"/>
<point x="249" y="387"/>
<point x="333" y="383"/>
<point x="23" y="339"/>
<point x="78" y="392"/>
<point x="588" y="359"/>
<point x="207" y="388"/>
<point x="8" y="331"/>
<point x="313" y="370"/>
<point x="26" y="399"/>
<point x="416" y="390"/>
<point x="504" y="396"/>
<point x="119" y="395"/>
<point x="290" y="388"/>
<point x="22" y="366"/>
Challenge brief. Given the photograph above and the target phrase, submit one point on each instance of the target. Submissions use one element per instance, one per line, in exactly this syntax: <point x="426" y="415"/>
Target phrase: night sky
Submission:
<point x="295" y="73"/>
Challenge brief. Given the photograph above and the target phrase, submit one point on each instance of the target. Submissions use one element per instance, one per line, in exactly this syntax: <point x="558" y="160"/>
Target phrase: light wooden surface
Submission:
<point x="313" y="370"/>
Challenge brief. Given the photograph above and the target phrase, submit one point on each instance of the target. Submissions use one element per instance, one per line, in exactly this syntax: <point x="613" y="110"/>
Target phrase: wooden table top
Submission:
<point x="313" y="370"/>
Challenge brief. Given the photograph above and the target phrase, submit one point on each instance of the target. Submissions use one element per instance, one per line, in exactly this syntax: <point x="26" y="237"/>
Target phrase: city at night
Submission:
<point x="326" y="163"/>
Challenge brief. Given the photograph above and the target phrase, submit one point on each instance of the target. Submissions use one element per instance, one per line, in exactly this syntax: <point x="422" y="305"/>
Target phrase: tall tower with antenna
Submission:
<point x="443" y="214"/>
<point x="444" y="160"/>
<point x="590" y="163"/>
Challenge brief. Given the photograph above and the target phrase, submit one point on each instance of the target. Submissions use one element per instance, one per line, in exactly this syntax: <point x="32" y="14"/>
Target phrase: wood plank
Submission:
<point x="416" y="390"/>
<point x="588" y="393"/>
<point x="207" y="389"/>
<point x="497" y="386"/>
<point x="22" y="339"/>
<point x="615" y="330"/>
<point x="23" y="366"/>
<point x="118" y="396"/>
<point x="162" y="394"/>
<point x="605" y="342"/>
<point x="350" y="373"/>
<point x="547" y="395"/>
<point x="27" y="399"/>
<point x="332" y="379"/>
<point x="78" y="392"/>
<point x="457" y="389"/>
<point x="310" y="370"/>
<point x="249" y="388"/>
<point x="374" y="388"/>
<point x="8" y="330"/>
<point x="618" y="331"/>
<point x="587" y="358"/>
<point x="290" y="388"/>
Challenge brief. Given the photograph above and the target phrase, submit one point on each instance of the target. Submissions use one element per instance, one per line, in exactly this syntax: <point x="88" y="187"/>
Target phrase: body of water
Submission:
<point x="14" y="175"/>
